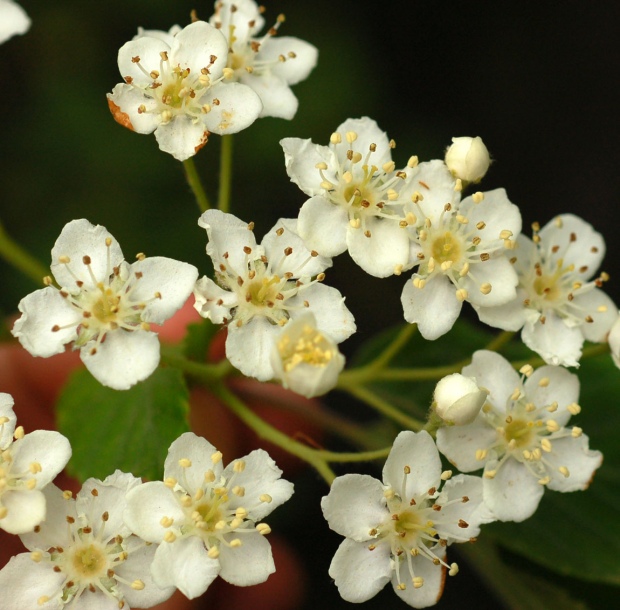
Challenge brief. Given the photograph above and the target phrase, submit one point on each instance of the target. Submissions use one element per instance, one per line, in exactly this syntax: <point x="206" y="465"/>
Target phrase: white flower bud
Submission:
<point x="304" y="359"/>
<point x="458" y="399"/>
<point x="614" y="342"/>
<point x="468" y="159"/>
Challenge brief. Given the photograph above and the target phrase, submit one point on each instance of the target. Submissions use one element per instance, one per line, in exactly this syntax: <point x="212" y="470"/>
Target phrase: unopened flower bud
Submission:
<point x="468" y="159"/>
<point x="458" y="399"/>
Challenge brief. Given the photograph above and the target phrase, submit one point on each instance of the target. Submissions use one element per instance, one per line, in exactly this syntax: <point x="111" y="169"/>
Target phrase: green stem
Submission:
<point x="498" y="342"/>
<point x="193" y="179"/>
<point x="15" y="255"/>
<point x="383" y="406"/>
<point x="205" y="373"/>
<point x="223" y="199"/>
<point x="273" y="435"/>
<point x="385" y="357"/>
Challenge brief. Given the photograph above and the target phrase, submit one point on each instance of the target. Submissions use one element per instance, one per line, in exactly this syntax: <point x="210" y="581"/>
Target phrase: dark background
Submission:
<point x="536" y="80"/>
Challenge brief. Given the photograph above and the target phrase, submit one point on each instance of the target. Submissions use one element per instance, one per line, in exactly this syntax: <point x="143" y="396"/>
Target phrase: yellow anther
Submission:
<point x="169" y="536"/>
<point x="216" y="457"/>
<point x="478" y="197"/>
<point x="185" y="463"/>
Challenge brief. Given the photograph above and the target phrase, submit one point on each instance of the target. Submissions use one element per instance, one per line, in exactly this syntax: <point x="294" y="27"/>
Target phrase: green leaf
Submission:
<point x="130" y="430"/>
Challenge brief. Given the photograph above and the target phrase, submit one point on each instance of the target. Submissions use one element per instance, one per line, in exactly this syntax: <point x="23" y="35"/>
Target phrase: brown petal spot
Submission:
<point x="122" y="118"/>
<point x="203" y="141"/>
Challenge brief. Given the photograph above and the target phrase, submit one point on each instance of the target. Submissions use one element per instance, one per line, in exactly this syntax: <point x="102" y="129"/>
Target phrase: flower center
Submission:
<point x="311" y="348"/>
<point x="520" y="431"/>
<point x="175" y="91"/>
<point x="409" y="524"/>
<point x="446" y="247"/>
<point x="89" y="561"/>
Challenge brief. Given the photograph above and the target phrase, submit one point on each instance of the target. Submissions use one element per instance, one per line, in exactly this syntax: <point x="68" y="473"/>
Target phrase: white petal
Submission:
<point x="110" y="499"/>
<point x="323" y="226"/>
<point x="294" y="69"/>
<point x="500" y="274"/>
<point x="494" y="373"/>
<point x="198" y="451"/>
<point x="13" y="20"/>
<point x="301" y="158"/>
<point x="510" y="316"/>
<point x="129" y="100"/>
<point x="194" y="45"/>
<point x="248" y="347"/>
<point x="80" y="238"/>
<point x="359" y="572"/>
<point x="182" y="137"/>
<point x="435" y="183"/>
<point x="355" y="505"/>
<point x="213" y="302"/>
<point x="8" y="427"/>
<point x="601" y="309"/>
<point x="383" y="251"/>
<point x="172" y="280"/>
<point x="496" y="212"/>
<point x="228" y="235"/>
<point x="238" y="107"/>
<point x="327" y="304"/>
<point x="579" y="244"/>
<point x="167" y="37"/>
<point x="249" y="564"/>
<point x="247" y="19"/>
<point x="275" y="95"/>
<point x="260" y="476"/>
<point x="514" y="493"/>
<point x="23" y="582"/>
<point x="26" y="509"/>
<point x="300" y="262"/>
<point x="558" y="385"/>
<point x="433" y="308"/>
<point x="460" y="443"/>
<point x="53" y="530"/>
<point x="574" y="454"/>
<point x="430" y="592"/>
<point x="367" y="132"/>
<point x="148" y="50"/>
<point x="418" y="452"/>
<point x="43" y="310"/>
<point x="123" y="359"/>
<point x="184" y="564"/>
<point x="147" y="504"/>
<point x="555" y="342"/>
<point x="51" y="450"/>
<point x="454" y="513"/>
<point x="138" y="567"/>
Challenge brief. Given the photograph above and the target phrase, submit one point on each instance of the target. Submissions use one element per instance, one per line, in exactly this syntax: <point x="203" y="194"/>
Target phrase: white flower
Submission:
<point x="173" y="86"/>
<point x="458" y="399"/>
<point x="269" y="64"/>
<point x="13" y="20"/>
<point x="398" y="530"/>
<point x="83" y="555"/>
<point x="261" y="287"/>
<point x="520" y="437"/>
<point x="468" y="159"/>
<point x="206" y="516"/>
<point x="27" y="465"/>
<point x="355" y="196"/>
<point x="614" y="342"/>
<point x="104" y="305"/>
<point x="558" y="304"/>
<point x="304" y="359"/>
<point x="462" y="249"/>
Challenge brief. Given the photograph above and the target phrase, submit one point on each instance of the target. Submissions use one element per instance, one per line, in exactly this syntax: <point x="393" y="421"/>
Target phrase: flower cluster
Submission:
<point x="121" y="542"/>
<point x="105" y="544"/>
